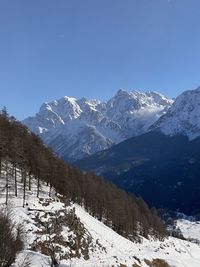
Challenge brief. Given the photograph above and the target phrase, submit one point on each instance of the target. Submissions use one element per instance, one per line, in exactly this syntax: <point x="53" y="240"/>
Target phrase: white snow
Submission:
<point x="176" y="252"/>
<point x="183" y="117"/>
<point x="110" y="249"/>
<point x="190" y="229"/>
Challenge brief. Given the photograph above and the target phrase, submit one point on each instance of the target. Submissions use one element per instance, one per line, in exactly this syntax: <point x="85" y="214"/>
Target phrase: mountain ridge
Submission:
<point x="76" y="128"/>
<point x="165" y="160"/>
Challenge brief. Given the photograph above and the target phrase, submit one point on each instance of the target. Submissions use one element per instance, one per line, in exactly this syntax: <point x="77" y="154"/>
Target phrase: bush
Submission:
<point x="11" y="241"/>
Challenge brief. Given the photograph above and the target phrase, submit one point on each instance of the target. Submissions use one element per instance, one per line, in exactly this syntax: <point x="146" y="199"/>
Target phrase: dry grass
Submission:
<point x="136" y="265"/>
<point x="157" y="263"/>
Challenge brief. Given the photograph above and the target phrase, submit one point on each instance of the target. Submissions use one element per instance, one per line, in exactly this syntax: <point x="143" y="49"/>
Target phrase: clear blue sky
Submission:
<point x="52" y="48"/>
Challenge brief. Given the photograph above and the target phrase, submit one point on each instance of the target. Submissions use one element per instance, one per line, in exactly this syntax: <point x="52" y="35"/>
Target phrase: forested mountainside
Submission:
<point x="76" y="128"/>
<point x="56" y="232"/>
<point x="126" y="214"/>
<point x="52" y="214"/>
<point x="166" y="160"/>
<point x="164" y="170"/>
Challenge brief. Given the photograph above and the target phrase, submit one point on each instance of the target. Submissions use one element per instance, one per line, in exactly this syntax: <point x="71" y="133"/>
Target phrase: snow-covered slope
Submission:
<point x="81" y="240"/>
<point x="78" y="128"/>
<point x="190" y="229"/>
<point x="183" y="118"/>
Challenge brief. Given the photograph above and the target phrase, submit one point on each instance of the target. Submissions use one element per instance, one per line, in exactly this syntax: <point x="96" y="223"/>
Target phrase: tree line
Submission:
<point x="124" y="213"/>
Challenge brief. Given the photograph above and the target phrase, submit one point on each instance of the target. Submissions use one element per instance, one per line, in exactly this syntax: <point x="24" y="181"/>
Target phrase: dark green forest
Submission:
<point x="124" y="213"/>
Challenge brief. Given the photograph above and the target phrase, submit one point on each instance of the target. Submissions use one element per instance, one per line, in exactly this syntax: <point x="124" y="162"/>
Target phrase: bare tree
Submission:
<point x="24" y="262"/>
<point x="11" y="241"/>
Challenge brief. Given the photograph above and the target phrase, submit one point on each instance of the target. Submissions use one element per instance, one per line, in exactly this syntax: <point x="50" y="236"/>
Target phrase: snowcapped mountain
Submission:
<point x="76" y="128"/>
<point x="165" y="160"/>
<point x="183" y="118"/>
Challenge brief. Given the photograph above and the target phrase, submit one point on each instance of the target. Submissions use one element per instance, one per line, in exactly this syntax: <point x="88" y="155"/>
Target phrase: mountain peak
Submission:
<point x="69" y="99"/>
<point x="121" y="92"/>
<point x="183" y="117"/>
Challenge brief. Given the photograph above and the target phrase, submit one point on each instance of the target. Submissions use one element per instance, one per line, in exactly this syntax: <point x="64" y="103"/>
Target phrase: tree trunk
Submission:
<point x="29" y="182"/>
<point x="6" y="186"/>
<point x="50" y="190"/>
<point x="24" y="193"/>
<point x="0" y="167"/>
<point x="15" y="174"/>
<point x="38" y="184"/>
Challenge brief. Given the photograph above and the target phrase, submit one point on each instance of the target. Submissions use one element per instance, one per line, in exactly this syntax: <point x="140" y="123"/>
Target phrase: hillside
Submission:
<point x="79" y="239"/>
<point x="26" y="164"/>
<point x="153" y="162"/>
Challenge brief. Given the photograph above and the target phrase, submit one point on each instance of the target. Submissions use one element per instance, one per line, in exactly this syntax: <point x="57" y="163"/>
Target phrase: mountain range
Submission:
<point x="77" y="128"/>
<point x="163" y="164"/>
<point x="145" y="143"/>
